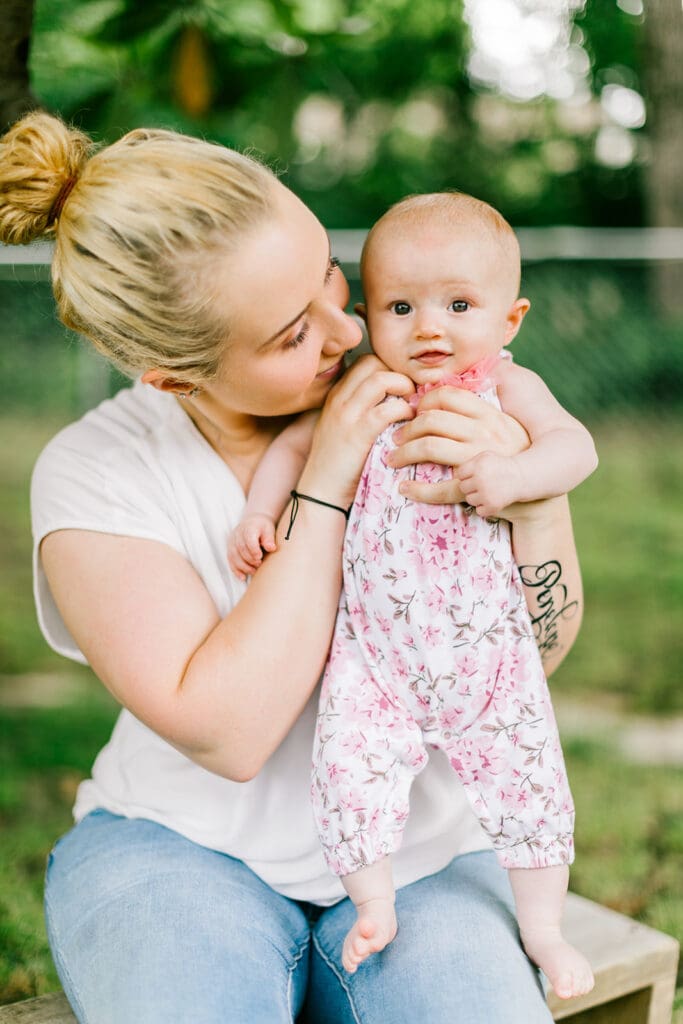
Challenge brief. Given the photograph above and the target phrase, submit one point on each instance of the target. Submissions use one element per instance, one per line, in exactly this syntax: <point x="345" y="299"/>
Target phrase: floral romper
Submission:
<point x="433" y="647"/>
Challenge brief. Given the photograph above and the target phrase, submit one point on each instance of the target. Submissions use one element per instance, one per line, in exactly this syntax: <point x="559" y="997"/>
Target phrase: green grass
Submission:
<point x="629" y="530"/>
<point x="629" y="834"/>
<point x="44" y="753"/>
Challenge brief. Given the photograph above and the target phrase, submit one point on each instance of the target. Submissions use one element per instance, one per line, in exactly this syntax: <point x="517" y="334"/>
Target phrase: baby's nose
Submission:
<point x="429" y="326"/>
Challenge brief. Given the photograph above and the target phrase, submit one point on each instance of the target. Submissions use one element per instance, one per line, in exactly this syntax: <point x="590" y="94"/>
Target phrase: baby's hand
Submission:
<point x="248" y="541"/>
<point x="489" y="482"/>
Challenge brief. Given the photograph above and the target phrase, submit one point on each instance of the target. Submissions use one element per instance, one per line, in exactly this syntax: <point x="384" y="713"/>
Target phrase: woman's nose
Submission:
<point x="344" y="334"/>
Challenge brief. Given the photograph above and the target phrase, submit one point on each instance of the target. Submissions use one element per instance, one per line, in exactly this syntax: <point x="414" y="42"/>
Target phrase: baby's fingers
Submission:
<point x="263" y="539"/>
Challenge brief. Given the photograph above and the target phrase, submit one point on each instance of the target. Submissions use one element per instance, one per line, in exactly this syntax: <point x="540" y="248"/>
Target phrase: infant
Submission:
<point x="433" y="645"/>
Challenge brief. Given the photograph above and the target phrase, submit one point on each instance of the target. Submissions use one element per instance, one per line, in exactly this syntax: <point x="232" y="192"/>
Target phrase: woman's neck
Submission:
<point x="239" y="439"/>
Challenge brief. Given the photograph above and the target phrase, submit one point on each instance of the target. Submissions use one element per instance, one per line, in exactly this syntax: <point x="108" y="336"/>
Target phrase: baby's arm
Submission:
<point x="275" y="476"/>
<point x="561" y="455"/>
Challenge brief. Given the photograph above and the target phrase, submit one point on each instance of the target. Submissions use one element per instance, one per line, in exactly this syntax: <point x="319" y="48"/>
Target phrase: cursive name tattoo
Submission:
<point x="551" y="604"/>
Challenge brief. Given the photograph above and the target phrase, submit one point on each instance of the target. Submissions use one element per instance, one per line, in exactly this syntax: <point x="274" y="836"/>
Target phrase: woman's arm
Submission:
<point x="544" y="550"/>
<point x="225" y="692"/>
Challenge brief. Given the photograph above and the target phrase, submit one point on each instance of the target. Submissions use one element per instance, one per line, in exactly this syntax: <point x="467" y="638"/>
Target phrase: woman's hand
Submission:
<point x="353" y="416"/>
<point x="452" y="427"/>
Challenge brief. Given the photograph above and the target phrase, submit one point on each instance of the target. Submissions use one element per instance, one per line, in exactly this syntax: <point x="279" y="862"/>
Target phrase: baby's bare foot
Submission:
<point x="374" y="929"/>
<point x="566" y="969"/>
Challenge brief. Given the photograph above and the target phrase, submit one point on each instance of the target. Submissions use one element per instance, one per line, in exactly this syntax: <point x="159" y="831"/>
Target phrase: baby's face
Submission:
<point x="438" y="300"/>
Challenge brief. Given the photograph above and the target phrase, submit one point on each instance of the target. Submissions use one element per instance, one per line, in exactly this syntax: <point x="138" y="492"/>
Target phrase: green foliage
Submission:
<point x="357" y="103"/>
<point x="613" y="40"/>
<point x="43" y="754"/>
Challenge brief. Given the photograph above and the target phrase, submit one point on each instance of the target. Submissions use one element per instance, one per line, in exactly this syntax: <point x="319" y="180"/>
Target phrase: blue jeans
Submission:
<point x="147" y="927"/>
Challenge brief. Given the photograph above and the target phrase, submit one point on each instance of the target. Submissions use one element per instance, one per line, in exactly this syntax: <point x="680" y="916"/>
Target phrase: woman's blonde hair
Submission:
<point x="137" y="225"/>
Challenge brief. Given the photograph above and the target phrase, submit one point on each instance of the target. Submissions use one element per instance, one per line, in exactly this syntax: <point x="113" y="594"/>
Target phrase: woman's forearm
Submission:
<point x="264" y="660"/>
<point x="544" y="549"/>
<point x="261" y="663"/>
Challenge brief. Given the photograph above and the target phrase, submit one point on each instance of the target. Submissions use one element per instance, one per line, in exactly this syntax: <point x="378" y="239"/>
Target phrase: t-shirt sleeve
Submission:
<point x="72" y="489"/>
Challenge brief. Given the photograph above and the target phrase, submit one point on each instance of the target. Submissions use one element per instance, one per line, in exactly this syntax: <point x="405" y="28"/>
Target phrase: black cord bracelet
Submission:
<point x="297" y="496"/>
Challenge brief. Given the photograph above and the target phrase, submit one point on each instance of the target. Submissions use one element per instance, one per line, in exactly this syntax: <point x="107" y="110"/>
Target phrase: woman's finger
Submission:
<point x="473" y="419"/>
<point x="442" y="492"/>
<point x="454" y="400"/>
<point x="440" y="450"/>
<point x="369" y="390"/>
<point x="438" y="422"/>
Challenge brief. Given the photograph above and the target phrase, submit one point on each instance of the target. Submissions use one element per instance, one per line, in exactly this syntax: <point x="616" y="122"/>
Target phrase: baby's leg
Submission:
<point x="539" y="897"/>
<point x="372" y="893"/>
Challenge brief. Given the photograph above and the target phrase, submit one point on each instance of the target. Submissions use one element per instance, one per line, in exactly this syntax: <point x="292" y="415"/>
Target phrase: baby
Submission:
<point x="433" y="644"/>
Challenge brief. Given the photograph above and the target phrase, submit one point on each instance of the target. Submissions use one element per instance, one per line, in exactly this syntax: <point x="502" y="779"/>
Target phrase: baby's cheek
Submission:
<point x="387" y="344"/>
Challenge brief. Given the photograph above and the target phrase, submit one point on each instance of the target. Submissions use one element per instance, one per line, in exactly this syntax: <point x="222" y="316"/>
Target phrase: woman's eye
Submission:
<point x="459" y="306"/>
<point x="401" y="308"/>
<point x="299" y="338"/>
<point x="331" y="267"/>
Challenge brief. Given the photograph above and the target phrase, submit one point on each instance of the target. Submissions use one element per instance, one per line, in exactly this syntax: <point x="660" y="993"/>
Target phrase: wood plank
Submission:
<point x="52" y="1009"/>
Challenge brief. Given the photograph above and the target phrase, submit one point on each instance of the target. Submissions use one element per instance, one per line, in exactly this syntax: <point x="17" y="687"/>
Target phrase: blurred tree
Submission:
<point x="663" y="66"/>
<point x="15" y="37"/>
<point x="359" y="101"/>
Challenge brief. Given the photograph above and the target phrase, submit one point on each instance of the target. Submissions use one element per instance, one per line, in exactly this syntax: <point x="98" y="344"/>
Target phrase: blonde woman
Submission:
<point x="192" y="887"/>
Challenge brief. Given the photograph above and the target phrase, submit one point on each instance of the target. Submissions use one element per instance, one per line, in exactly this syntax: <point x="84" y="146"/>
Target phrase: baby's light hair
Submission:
<point x="139" y="226"/>
<point x="452" y="209"/>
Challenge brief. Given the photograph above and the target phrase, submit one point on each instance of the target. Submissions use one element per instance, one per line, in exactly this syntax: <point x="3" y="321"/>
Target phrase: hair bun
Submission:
<point x="41" y="159"/>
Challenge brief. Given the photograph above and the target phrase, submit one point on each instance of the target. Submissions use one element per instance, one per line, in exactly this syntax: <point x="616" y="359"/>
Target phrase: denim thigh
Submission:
<point x="146" y="926"/>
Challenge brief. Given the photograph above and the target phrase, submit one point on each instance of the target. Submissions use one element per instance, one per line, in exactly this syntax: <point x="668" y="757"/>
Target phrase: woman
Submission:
<point x="192" y="887"/>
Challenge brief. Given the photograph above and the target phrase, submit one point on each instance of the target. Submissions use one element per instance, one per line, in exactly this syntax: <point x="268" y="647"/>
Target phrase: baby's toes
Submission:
<point x="564" y="985"/>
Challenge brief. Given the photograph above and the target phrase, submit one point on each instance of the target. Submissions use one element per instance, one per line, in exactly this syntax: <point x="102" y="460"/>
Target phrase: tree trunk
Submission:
<point x="663" y="68"/>
<point x="15" y="41"/>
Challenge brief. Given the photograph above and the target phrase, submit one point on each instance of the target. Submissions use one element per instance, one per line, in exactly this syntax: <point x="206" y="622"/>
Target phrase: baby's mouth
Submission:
<point x="431" y="357"/>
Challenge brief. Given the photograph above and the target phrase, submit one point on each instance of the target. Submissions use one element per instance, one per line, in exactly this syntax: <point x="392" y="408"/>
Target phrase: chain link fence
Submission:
<point x="594" y="333"/>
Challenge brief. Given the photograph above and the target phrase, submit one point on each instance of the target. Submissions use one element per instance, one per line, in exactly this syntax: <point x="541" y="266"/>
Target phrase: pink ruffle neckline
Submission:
<point x="475" y="378"/>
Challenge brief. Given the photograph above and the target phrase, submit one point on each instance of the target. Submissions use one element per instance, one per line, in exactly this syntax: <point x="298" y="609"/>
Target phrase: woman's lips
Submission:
<point x="332" y="372"/>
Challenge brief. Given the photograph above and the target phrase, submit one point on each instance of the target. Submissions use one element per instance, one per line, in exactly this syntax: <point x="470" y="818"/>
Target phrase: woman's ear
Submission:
<point x="360" y="310"/>
<point x="513" y="321"/>
<point x="162" y="382"/>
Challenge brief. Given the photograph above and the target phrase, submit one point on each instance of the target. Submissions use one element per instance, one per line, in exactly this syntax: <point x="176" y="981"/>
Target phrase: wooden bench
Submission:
<point x="635" y="975"/>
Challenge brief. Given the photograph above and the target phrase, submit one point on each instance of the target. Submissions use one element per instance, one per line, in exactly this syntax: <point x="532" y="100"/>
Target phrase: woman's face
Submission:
<point x="284" y="299"/>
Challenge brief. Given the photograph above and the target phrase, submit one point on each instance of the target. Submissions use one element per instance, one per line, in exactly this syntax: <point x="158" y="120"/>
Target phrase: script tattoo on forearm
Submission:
<point x="550" y="595"/>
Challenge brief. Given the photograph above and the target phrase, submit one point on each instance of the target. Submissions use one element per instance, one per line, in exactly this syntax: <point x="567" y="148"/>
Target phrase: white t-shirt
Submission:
<point x="137" y="466"/>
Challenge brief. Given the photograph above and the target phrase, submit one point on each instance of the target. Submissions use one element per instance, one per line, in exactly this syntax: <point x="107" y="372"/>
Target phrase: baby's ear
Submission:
<point x="518" y="310"/>
<point x="360" y="310"/>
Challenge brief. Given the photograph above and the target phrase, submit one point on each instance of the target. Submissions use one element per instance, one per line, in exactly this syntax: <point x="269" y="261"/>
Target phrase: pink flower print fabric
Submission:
<point x="433" y="647"/>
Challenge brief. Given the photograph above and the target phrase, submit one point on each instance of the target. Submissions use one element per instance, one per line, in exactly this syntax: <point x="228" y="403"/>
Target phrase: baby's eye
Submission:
<point x="401" y="308"/>
<point x="459" y="306"/>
